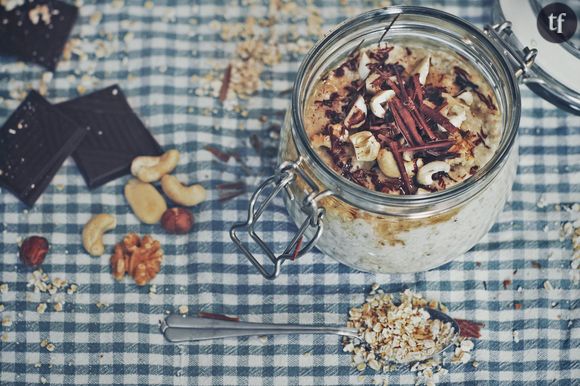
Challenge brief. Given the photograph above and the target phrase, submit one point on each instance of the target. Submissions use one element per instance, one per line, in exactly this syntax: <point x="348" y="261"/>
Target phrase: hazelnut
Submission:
<point x="33" y="251"/>
<point x="177" y="220"/>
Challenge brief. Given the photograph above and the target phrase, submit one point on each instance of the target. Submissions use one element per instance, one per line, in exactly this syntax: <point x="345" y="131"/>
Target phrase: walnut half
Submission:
<point x="139" y="257"/>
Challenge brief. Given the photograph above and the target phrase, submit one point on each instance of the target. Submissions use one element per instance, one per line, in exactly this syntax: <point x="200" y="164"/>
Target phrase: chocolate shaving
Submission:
<point x="227" y="196"/>
<point x="239" y="185"/>
<point x="430" y="145"/>
<point x="394" y="146"/>
<point x="225" y="83"/>
<point x="256" y="143"/>
<point x="222" y="156"/>
<point x="438" y="118"/>
<point x="333" y="116"/>
<point x="487" y="100"/>
<point x="407" y="120"/>
<point x="400" y="123"/>
<point x="419" y="91"/>
<point x="435" y="95"/>
<point x="463" y="81"/>
<point x="386" y="184"/>
<point x="469" y="329"/>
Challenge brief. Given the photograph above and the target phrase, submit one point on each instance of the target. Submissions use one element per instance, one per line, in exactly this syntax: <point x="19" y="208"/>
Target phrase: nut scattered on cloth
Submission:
<point x="138" y="257"/>
<point x="33" y="251"/>
<point x="151" y="169"/>
<point x="177" y="220"/>
<point x="93" y="232"/>
<point x="147" y="203"/>
<point x="182" y="194"/>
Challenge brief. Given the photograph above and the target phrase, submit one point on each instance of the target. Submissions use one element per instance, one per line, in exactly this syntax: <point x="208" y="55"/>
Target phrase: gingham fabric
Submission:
<point x="108" y="331"/>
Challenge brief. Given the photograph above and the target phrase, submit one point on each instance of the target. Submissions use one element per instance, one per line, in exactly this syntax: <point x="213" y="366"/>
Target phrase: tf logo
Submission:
<point x="557" y="22"/>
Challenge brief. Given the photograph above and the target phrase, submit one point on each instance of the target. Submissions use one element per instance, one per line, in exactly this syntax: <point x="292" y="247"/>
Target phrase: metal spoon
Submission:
<point x="177" y="328"/>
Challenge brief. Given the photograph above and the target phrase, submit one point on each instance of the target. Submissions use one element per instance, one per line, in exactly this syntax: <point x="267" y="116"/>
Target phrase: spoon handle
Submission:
<point x="177" y="328"/>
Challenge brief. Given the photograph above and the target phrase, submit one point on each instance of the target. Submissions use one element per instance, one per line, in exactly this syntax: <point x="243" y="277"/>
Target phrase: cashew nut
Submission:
<point x="425" y="173"/>
<point x="366" y="147"/>
<point x="422" y="68"/>
<point x="145" y="201"/>
<point x="357" y="115"/>
<point x="320" y="140"/>
<point x="456" y="115"/>
<point x="378" y="100"/>
<point x="370" y="85"/>
<point x="466" y="97"/>
<point x="149" y="169"/>
<point x="93" y="233"/>
<point x="363" y="69"/>
<point x="181" y="194"/>
<point x="339" y="132"/>
<point x="388" y="165"/>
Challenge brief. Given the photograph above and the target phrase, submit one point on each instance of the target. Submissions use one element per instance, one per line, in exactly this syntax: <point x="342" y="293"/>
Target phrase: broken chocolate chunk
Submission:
<point x="115" y="135"/>
<point x="34" y="142"/>
<point x="37" y="31"/>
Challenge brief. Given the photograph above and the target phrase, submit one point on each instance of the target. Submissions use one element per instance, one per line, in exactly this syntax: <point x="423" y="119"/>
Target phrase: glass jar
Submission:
<point x="372" y="231"/>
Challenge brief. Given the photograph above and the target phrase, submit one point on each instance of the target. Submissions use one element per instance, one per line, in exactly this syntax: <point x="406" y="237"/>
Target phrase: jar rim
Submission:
<point x="358" y="195"/>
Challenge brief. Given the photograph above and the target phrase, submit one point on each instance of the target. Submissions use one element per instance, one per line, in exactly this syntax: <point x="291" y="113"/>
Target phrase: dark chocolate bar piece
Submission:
<point x="115" y="136"/>
<point x="37" y="31"/>
<point x="34" y="142"/>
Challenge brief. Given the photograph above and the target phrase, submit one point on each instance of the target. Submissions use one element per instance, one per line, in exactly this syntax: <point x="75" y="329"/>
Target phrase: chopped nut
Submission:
<point x="139" y="257"/>
<point x="72" y="289"/>
<point x="41" y="308"/>
<point x="357" y="115"/>
<point x="365" y="145"/>
<point x="101" y="305"/>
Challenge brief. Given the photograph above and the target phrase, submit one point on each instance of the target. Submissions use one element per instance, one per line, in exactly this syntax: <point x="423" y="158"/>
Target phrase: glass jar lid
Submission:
<point x="553" y="73"/>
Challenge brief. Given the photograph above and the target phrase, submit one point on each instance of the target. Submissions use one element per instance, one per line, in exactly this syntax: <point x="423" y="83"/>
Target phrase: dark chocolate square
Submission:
<point x="38" y="42"/>
<point x="115" y="136"/>
<point x="34" y="142"/>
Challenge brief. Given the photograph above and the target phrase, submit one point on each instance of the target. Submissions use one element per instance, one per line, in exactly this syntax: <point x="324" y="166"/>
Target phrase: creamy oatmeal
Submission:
<point x="403" y="119"/>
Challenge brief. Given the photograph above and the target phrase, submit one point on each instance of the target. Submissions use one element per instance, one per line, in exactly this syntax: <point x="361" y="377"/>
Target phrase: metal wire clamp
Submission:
<point x="286" y="174"/>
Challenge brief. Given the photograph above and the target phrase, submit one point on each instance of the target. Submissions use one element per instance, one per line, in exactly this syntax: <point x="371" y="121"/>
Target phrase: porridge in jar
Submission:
<point x="403" y="119"/>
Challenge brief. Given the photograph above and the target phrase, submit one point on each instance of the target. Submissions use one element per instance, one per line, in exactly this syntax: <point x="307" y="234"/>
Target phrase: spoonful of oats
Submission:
<point x="382" y="331"/>
<point x="392" y="330"/>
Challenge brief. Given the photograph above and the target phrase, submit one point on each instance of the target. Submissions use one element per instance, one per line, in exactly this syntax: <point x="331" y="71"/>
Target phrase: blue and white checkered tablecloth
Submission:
<point x="108" y="331"/>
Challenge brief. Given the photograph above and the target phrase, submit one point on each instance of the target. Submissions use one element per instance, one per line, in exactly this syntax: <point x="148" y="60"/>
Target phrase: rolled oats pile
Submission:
<point x="394" y="332"/>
